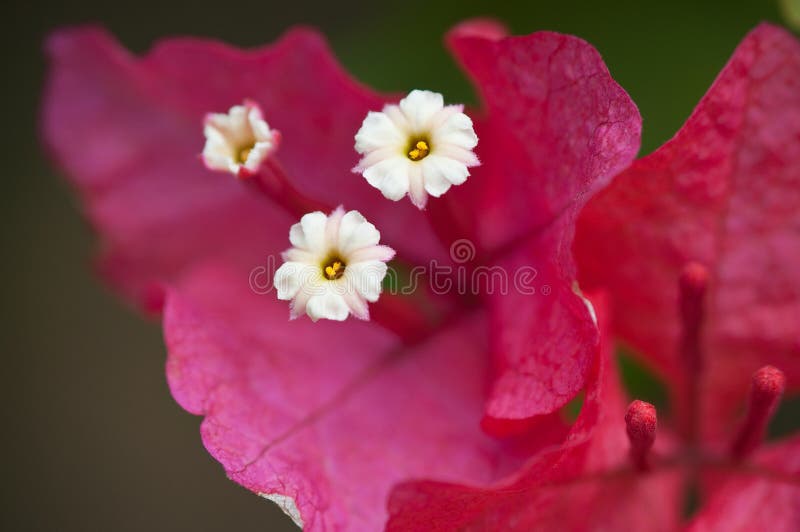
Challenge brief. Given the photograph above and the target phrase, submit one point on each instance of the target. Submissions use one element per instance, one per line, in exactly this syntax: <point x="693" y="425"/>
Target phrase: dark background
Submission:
<point x="91" y="439"/>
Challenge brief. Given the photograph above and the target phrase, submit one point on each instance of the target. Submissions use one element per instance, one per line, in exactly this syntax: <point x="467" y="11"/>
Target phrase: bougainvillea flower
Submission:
<point x="239" y="141"/>
<point x="418" y="147"/>
<point x="697" y="247"/>
<point x="335" y="266"/>
<point x="325" y="417"/>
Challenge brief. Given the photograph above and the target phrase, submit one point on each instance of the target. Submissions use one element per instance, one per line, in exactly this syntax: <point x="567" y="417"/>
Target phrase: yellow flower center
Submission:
<point x="419" y="150"/>
<point x="334" y="269"/>
<point x="243" y="154"/>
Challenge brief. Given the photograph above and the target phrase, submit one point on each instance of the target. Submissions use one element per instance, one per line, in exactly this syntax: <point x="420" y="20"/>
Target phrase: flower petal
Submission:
<point x="416" y="186"/>
<point x="355" y="232"/>
<point x="557" y="129"/>
<point x="312" y="226"/>
<point x="544" y="335"/>
<point x="287" y="279"/>
<point x="283" y="402"/>
<point x="381" y="253"/>
<point x="390" y="177"/>
<point x="378" y="131"/>
<point x="329" y="305"/>
<point x="366" y="278"/>
<point x="725" y="192"/>
<point x="458" y="130"/>
<point x="420" y="106"/>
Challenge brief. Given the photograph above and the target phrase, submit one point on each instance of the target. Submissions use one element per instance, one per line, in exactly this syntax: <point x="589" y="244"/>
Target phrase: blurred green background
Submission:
<point x="91" y="438"/>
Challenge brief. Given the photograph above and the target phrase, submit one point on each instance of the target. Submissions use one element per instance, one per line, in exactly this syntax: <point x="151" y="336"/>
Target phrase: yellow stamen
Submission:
<point x="334" y="270"/>
<point x="243" y="154"/>
<point x="420" y="151"/>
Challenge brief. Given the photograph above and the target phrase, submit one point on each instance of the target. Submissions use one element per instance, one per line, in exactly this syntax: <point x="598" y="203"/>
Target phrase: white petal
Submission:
<point x="299" y="303"/>
<point x="457" y="130"/>
<point x="357" y="305"/>
<point x="366" y="278"/>
<point x="382" y="253"/>
<point x="313" y="225"/>
<point x="216" y="153"/>
<point x="395" y="184"/>
<point x="453" y="171"/>
<point x="258" y="126"/>
<point x="435" y="182"/>
<point x="288" y="279"/>
<point x="378" y="131"/>
<point x="444" y="115"/>
<point x="218" y="121"/>
<point x="332" y="227"/>
<point x="374" y="157"/>
<point x="299" y="255"/>
<point x="390" y="177"/>
<point x="297" y="237"/>
<point x="376" y="173"/>
<point x="329" y="305"/>
<point x="213" y="134"/>
<point x="355" y="232"/>
<point x="262" y="132"/>
<point x="451" y="151"/>
<point x="239" y="132"/>
<point x="421" y="106"/>
<point x="396" y="115"/>
<point x="416" y="186"/>
<point x="257" y="155"/>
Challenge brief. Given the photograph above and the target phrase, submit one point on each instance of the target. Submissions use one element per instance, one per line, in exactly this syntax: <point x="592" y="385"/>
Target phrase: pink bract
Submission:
<point x="724" y="192"/>
<point x="327" y="417"/>
<point x="584" y="484"/>
<point x="696" y="247"/>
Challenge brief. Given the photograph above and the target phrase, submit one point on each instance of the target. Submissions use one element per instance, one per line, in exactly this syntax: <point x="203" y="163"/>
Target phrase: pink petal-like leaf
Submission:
<point x="724" y="192"/>
<point x="128" y="131"/>
<point x="328" y="414"/>
<point x="586" y="484"/>
<point x="557" y="128"/>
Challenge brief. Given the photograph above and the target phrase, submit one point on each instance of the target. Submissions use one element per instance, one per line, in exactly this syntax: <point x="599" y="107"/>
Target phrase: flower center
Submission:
<point x="243" y="153"/>
<point x="418" y="150"/>
<point x="333" y="269"/>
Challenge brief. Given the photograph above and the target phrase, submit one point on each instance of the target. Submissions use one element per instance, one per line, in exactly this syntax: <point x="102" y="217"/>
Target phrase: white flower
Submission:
<point x="334" y="267"/>
<point x="418" y="147"/>
<point x="239" y="141"/>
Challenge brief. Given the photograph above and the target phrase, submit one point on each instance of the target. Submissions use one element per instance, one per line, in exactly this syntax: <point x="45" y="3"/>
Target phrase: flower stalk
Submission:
<point x="692" y="286"/>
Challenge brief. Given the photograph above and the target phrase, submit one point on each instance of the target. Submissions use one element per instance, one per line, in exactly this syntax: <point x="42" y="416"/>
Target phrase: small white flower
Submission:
<point x="334" y="267"/>
<point x="239" y="141"/>
<point x="418" y="147"/>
